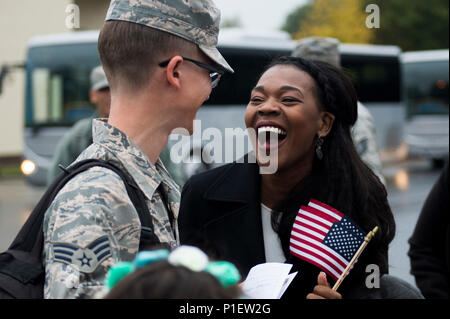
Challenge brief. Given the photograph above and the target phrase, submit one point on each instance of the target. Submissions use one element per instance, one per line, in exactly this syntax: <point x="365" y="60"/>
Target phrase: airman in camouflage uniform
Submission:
<point x="95" y="206"/>
<point x="92" y="223"/>
<point x="363" y="131"/>
<point x="79" y="136"/>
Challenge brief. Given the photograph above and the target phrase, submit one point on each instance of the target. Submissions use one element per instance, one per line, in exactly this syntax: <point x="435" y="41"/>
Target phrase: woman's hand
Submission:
<point x="323" y="289"/>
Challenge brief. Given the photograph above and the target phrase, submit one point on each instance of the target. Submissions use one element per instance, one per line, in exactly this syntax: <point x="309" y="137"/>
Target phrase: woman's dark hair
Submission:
<point x="341" y="179"/>
<point x="162" y="280"/>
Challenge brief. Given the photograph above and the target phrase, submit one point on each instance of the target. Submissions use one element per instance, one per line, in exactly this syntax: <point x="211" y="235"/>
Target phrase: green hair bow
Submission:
<point x="188" y="256"/>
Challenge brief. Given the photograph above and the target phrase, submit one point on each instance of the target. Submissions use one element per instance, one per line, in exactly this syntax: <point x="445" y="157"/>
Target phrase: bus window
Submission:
<point x="426" y="88"/>
<point x="425" y="75"/>
<point x="234" y="89"/>
<point x="376" y="78"/>
<point x="47" y="94"/>
<point x="59" y="83"/>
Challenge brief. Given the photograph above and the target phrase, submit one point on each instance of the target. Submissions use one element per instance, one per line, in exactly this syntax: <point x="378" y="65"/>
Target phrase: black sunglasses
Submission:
<point x="214" y="73"/>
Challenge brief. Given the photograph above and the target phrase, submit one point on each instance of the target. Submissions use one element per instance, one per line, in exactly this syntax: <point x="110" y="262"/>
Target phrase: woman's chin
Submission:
<point x="269" y="164"/>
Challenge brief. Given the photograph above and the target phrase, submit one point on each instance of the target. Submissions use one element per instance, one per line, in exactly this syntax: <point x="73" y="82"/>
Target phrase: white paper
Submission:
<point x="287" y="282"/>
<point x="268" y="281"/>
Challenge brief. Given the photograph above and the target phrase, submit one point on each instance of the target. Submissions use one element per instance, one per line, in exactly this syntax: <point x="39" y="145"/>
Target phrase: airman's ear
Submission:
<point x="326" y="123"/>
<point x="173" y="72"/>
<point x="92" y="96"/>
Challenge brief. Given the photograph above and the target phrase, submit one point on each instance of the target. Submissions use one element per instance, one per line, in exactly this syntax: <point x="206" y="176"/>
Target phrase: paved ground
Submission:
<point x="408" y="186"/>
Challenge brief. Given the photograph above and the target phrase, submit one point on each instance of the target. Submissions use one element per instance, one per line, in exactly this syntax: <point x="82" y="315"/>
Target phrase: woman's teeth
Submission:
<point x="272" y="129"/>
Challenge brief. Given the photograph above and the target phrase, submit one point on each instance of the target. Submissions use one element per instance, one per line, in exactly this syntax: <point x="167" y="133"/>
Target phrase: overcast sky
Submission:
<point x="258" y="14"/>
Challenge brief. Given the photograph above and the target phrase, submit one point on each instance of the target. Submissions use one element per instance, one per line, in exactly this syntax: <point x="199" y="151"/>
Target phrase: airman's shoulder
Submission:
<point x="96" y="184"/>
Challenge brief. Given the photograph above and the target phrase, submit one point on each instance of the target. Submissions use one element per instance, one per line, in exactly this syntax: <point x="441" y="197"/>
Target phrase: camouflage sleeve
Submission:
<point x="63" y="155"/>
<point x="365" y="140"/>
<point x="90" y="225"/>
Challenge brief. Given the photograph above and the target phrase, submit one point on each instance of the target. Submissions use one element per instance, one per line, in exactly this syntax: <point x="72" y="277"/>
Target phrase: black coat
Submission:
<point x="220" y="212"/>
<point x="430" y="242"/>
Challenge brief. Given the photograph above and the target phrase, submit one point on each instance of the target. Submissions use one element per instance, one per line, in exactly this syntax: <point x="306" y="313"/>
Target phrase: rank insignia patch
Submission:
<point x="85" y="259"/>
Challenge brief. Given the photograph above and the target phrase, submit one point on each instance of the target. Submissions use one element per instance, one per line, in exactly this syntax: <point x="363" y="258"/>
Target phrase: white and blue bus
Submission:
<point x="57" y="85"/>
<point x="425" y="75"/>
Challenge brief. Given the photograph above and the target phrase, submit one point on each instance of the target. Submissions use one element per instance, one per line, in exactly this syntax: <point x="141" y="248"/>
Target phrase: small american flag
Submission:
<point x="324" y="237"/>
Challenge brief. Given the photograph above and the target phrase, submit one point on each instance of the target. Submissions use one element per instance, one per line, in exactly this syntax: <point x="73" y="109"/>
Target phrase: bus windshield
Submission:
<point x="376" y="78"/>
<point x="235" y="89"/>
<point x="426" y="87"/>
<point x="58" y="82"/>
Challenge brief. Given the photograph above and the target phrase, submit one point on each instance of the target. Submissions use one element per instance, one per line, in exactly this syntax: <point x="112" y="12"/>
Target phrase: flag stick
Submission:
<point x="355" y="257"/>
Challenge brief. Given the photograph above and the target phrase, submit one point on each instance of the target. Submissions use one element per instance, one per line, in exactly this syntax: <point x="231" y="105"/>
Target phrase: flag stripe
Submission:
<point x="308" y="231"/>
<point x="311" y="259"/>
<point x="301" y="237"/>
<point x="323" y="261"/>
<point x="303" y="221"/>
<point x="333" y="213"/>
<point x="317" y="219"/>
<point x="316" y="212"/>
<point x="326" y="256"/>
<point x="326" y="207"/>
<point x="311" y="226"/>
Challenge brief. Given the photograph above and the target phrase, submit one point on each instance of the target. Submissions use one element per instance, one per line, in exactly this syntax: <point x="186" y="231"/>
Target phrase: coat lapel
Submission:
<point x="236" y="225"/>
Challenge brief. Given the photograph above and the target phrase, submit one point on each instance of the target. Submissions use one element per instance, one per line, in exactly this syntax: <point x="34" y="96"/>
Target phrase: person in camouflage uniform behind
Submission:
<point x="363" y="132"/>
<point x="161" y="61"/>
<point x="79" y="136"/>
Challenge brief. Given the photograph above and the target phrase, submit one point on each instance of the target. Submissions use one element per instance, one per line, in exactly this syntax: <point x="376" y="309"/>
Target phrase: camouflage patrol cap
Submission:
<point x="194" y="20"/>
<point x="318" y="48"/>
<point x="98" y="79"/>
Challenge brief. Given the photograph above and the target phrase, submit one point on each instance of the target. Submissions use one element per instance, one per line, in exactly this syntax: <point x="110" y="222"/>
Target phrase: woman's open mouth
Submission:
<point x="271" y="136"/>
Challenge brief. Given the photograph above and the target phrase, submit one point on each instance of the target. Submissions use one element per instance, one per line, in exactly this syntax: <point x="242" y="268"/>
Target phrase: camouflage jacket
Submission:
<point x="92" y="223"/>
<point x="365" y="139"/>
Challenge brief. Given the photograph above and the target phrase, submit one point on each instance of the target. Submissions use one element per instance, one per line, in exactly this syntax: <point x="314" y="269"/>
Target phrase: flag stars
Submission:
<point x="345" y="238"/>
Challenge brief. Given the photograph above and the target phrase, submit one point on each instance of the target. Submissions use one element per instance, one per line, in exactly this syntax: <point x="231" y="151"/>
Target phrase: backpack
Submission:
<point x="22" y="273"/>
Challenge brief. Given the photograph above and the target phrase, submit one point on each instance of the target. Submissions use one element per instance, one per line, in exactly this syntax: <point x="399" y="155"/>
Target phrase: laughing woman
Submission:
<point x="246" y="217"/>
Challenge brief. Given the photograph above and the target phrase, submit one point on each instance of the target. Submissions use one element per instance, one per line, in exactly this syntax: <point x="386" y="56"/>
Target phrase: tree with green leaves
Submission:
<point x="341" y="19"/>
<point x="295" y="19"/>
<point x="412" y="24"/>
<point x="231" y="22"/>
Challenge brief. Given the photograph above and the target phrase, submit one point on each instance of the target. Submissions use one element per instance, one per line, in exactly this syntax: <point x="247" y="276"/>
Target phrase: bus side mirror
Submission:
<point x="5" y="69"/>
